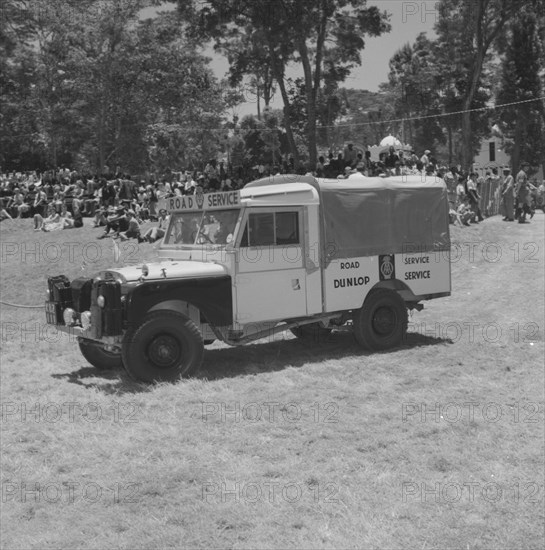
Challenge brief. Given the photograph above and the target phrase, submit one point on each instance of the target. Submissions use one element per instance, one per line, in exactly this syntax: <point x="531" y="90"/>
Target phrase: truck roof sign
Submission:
<point x="203" y="201"/>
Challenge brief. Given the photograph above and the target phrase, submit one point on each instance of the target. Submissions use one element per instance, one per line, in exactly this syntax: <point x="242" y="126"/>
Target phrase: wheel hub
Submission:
<point x="164" y="351"/>
<point x="384" y="321"/>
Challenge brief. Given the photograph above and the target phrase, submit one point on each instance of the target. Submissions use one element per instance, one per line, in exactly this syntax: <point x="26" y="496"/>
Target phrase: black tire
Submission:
<point x="313" y="332"/>
<point x="382" y="321"/>
<point x="165" y="347"/>
<point x="99" y="357"/>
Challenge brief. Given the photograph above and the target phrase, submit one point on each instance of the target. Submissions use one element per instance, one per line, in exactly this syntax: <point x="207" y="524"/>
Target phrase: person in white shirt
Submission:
<point x="425" y="160"/>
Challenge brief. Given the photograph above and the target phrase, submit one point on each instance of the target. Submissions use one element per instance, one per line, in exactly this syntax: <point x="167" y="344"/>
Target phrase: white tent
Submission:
<point x="390" y="141"/>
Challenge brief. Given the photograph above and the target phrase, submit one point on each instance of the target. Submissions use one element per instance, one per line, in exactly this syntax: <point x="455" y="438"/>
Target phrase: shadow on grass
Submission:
<point x="260" y="357"/>
<point x="118" y="382"/>
<point x="276" y="356"/>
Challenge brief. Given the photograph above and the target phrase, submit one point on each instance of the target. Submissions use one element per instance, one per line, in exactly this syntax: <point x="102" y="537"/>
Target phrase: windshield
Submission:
<point x="196" y="228"/>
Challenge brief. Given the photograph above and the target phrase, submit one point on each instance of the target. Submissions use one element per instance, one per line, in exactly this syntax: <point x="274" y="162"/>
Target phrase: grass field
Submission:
<point x="437" y="444"/>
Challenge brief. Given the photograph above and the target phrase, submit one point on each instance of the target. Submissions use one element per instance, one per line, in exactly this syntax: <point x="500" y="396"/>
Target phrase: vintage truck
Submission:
<point x="284" y="253"/>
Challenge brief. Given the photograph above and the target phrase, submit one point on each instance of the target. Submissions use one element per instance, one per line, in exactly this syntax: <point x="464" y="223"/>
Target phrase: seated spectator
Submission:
<point x="464" y="212"/>
<point x="360" y="164"/>
<point x="18" y="204"/>
<point x="133" y="229"/>
<point x="101" y="217"/>
<point x="116" y="223"/>
<point x="73" y="221"/>
<point x="155" y="233"/>
<point x="452" y="214"/>
<point x="4" y="215"/>
<point x="52" y="222"/>
<point x="58" y="198"/>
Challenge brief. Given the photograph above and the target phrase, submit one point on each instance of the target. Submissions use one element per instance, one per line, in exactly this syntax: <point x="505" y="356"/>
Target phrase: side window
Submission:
<point x="287" y="228"/>
<point x="261" y="227"/>
<point x="271" y="229"/>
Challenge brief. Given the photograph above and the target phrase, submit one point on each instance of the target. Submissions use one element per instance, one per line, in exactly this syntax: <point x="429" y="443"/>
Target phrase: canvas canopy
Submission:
<point x="364" y="216"/>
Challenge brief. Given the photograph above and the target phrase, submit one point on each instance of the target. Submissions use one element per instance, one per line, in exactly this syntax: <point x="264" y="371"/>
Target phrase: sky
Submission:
<point x="408" y="19"/>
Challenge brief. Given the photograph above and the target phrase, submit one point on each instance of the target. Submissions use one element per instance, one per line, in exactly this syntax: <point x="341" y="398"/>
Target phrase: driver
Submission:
<point x="224" y="234"/>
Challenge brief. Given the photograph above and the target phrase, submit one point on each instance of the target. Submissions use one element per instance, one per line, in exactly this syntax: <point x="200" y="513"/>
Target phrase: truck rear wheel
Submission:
<point x="165" y="347"/>
<point x="313" y="332"/>
<point x="382" y="321"/>
<point x="100" y="358"/>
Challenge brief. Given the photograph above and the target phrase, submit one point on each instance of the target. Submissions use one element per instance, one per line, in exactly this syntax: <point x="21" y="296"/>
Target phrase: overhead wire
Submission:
<point x="347" y="125"/>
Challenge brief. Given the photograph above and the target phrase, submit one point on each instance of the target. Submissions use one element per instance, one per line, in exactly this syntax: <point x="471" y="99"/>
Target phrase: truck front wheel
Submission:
<point x="99" y="357"/>
<point x="166" y="346"/>
<point x="382" y="321"/>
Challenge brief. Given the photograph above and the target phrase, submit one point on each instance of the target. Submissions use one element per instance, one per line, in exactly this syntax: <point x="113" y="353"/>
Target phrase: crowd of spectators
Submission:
<point x="59" y="199"/>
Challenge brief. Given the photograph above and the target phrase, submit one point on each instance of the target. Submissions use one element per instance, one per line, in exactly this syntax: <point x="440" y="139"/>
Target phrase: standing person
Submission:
<point x="320" y="167"/>
<point x="391" y="159"/>
<point x="40" y="202"/>
<point x="153" y="200"/>
<point x="127" y="190"/>
<point x="508" y="196"/>
<point x="521" y="192"/>
<point x="350" y="155"/>
<point x="460" y="191"/>
<point x="331" y="169"/>
<point x="425" y="160"/>
<point x="474" y="196"/>
<point x="108" y="193"/>
<point x="450" y="179"/>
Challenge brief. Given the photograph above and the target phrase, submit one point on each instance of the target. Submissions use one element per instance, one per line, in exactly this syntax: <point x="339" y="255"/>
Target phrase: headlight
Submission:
<point x="85" y="320"/>
<point x="69" y="316"/>
<point x="101" y="301"/>
<point x="48" y="295"/>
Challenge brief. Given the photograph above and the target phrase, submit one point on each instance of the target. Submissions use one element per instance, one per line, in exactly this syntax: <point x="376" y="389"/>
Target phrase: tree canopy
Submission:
<point x="322" y="37"/>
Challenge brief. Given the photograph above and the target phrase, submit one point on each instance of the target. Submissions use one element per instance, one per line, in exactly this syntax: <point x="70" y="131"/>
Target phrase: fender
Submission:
<point x="211" y="295"/>
<point x="399" y="286"/>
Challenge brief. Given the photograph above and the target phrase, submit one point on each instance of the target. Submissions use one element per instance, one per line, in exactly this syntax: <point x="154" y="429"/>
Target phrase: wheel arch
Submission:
<point x="180" y="306"/>
<point x="396" y="285"/>
<point x="211" y="296"/>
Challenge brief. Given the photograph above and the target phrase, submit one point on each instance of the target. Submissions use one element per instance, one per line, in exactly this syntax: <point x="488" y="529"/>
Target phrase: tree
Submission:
<point x="323" y="37"/>
<point x="89" y="82"/>
<point x="520" y="81"/>
<point x="413" y="82"/>
<point x="467" y="30"/>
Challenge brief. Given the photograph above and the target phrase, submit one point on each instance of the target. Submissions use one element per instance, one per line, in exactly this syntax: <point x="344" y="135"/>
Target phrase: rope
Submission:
<point x="436" y="115"/>
<point x="20" y="305"/>
<point x="349" y="125"/>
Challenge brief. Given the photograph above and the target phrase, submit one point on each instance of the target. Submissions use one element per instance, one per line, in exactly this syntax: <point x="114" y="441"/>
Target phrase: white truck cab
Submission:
<point x="284" y="253"/>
